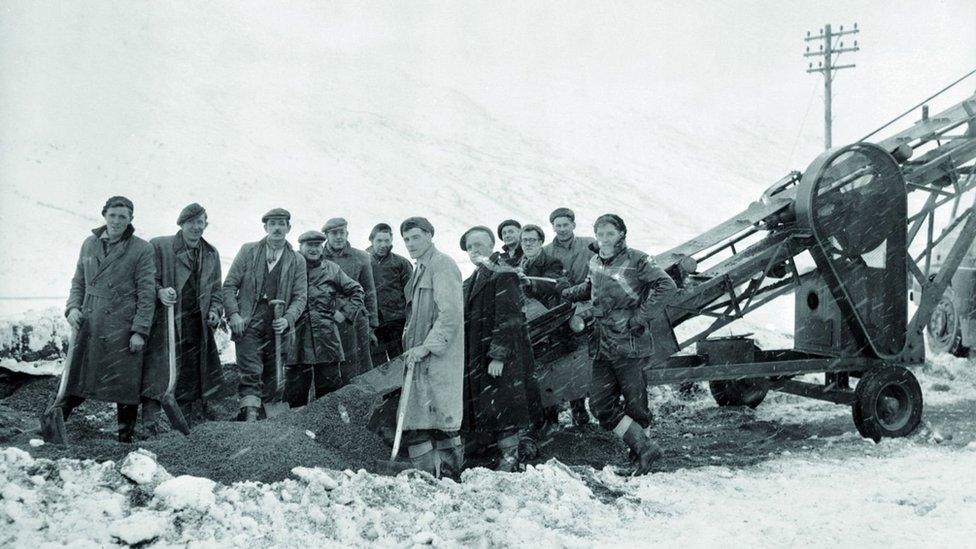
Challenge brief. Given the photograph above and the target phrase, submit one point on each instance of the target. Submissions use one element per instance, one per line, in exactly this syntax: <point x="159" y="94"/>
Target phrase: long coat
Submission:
<point x="495" y="329"/>
<point x="317" y="333"/>
<point x="116" y="297"/>
<point x="173" y="269"/>
<point x="246" y="276"/>
<point x="625" y="289"/>
<point x="355" y="337"/>
<point x="435" y="304"/>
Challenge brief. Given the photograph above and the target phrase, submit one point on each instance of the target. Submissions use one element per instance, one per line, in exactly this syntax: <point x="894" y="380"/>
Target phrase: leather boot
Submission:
<point x="450" y="455"/>
<point x="423" y="457"/>
<point x="646" y="450"/>
<point x="508" y="447"/>
<point x="128" y="414"/>
<point x="151" y="426"/>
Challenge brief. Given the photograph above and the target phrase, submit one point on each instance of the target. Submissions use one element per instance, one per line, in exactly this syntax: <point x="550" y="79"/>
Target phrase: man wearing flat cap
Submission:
<point x="110" y="309"/>
<point x="574" y="252"/>
<point x="357" y="334"/>
<point x="333" y="300"/>
<point x="263" y="271"/>
<point x="391" y="272"/>
<point x="509" y="232"/>
<point x="434" y="340"/>
<point x="188" y="279"/>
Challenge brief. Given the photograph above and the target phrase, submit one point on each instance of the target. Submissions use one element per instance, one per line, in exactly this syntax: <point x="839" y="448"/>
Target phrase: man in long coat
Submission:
<point x="187" y="279"/>
<point x="391" y="272"/>
<point x="333" y="300"/>
<point x="110" y="307"/>
<point x="497" y="351"/>
<point x="263" y="271"/>
<point x="434" y="340"/>
<point x="356" y="337"/>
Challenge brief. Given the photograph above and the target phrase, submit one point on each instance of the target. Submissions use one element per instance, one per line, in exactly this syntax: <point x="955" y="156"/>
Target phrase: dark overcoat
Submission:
<point x="116" y="296"/>
<point x="317" y="333"/>
<point x="173" y="269"/>
<point x="495" y="328"/>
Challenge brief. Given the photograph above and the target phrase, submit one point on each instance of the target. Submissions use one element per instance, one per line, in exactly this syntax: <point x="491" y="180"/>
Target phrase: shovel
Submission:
<point x="402" y="410"/>
<point x="52" y="420"/>
<point x="277" y="406"/>
<point x="168" y="399"/>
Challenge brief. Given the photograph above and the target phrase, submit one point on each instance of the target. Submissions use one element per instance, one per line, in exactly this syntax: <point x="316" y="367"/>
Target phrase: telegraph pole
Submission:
<point x="827" y="66"/>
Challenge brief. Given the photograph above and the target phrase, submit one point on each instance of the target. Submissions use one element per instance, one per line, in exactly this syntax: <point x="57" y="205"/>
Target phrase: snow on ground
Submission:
<point x="909" y="497"/>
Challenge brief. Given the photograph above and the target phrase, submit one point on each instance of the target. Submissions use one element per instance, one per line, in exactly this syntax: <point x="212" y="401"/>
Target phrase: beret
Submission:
<point x="277" y="212"/>
<point x="334" y="223"/>
<point x="507" y="223"/>
<point x="418" y="223"/>
<point x="562" y="212"/>
<point x="190" y="212"/>
<point x="464" y="237"/>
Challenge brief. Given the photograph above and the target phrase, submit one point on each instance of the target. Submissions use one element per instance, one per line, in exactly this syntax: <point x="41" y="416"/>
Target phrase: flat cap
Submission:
<point x="507" y="223"/>
<point x="562" y="212"/>
<point x="416" y="222"/>
<point x="117" y="201"/>
<point x="311" y="236"/>
<point x="190" y="212"/>
<point x="476" y="228"/>
<point x="334" y="223"/>
<point x="277" y="212"/>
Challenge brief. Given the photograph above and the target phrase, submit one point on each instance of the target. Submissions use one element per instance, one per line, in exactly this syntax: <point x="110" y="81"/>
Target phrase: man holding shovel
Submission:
<point x="263" y="272"/>
<point x="188" y="280"/>
<point x="110" y="308"/>
<point x="430" y="415"/>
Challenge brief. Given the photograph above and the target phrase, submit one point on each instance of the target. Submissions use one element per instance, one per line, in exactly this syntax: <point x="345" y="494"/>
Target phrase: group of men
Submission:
<point x="332" y="312"/>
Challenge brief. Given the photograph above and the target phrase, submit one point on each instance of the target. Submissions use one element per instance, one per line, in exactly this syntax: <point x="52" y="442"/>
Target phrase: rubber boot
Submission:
<point x="423" y="457"/>
<point x="128" y="414"/>
<point x="450" y="456"/>
<point x="508" y="447"/>
<point x="646" y="450"/>
<point x="580" y="415"/>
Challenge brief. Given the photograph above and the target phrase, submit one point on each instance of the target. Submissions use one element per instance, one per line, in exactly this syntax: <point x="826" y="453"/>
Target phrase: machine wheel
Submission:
<point x="944" y="330"/>
<point x="888" y="403"/>
<point x="738" y="392"/>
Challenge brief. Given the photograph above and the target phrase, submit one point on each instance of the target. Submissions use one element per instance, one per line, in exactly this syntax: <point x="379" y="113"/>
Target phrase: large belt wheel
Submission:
<point x="944" y="330"/>
<point x="888" y="403"/>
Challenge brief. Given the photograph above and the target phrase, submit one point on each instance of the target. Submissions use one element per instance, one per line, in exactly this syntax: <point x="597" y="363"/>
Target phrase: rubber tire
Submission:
<point x="869" y="420"/>
<point x="738" y="392"/>
<point x="951" y="341"/>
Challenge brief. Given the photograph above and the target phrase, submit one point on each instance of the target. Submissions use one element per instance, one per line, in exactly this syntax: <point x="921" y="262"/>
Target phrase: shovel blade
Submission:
<point x="52" y="426"/>
<point x="275" y="409"/>
<point x="174" y="414"/>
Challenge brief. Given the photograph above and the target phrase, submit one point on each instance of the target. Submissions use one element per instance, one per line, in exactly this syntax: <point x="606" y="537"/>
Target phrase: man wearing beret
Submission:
<point x="391" y="272"/>
<point x="318" y="348"/>
<point x="263" y="271"/>
<point x="434" y="340"/>
<point x="574" y="252"/>
<point x="498" y="363"/>
<point x="509" y="232"/>
<point x="110" y="309"/>
<point x="357" y="336"/>
<point x="187" y="279"/>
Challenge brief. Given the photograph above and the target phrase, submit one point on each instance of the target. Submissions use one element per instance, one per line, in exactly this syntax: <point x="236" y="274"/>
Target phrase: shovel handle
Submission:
<point x="65" y="372"/>
<point x="278" y="307"/>
<point x="402" y="410"/>
<point x="171" y="348"/>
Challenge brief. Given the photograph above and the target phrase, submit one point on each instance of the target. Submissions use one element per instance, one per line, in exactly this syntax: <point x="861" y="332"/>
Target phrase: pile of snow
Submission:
<point x="910" y="493"/>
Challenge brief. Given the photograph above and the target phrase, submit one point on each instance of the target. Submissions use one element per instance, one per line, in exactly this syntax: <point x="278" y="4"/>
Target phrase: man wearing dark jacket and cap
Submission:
<point x="110" y="308"/>
<point x="497" y="351"/>
<point x="509" y="232"/>
<point x="627" y="290"/>
<point x="574" y="253"/>
<point x="356" y="337"/>
<point x="537" y="262"/>
<point x="263" y="271"/>
<point x="333" y="299"/>
<point x="187" y="279"/>
<point x="391" y="272"/>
